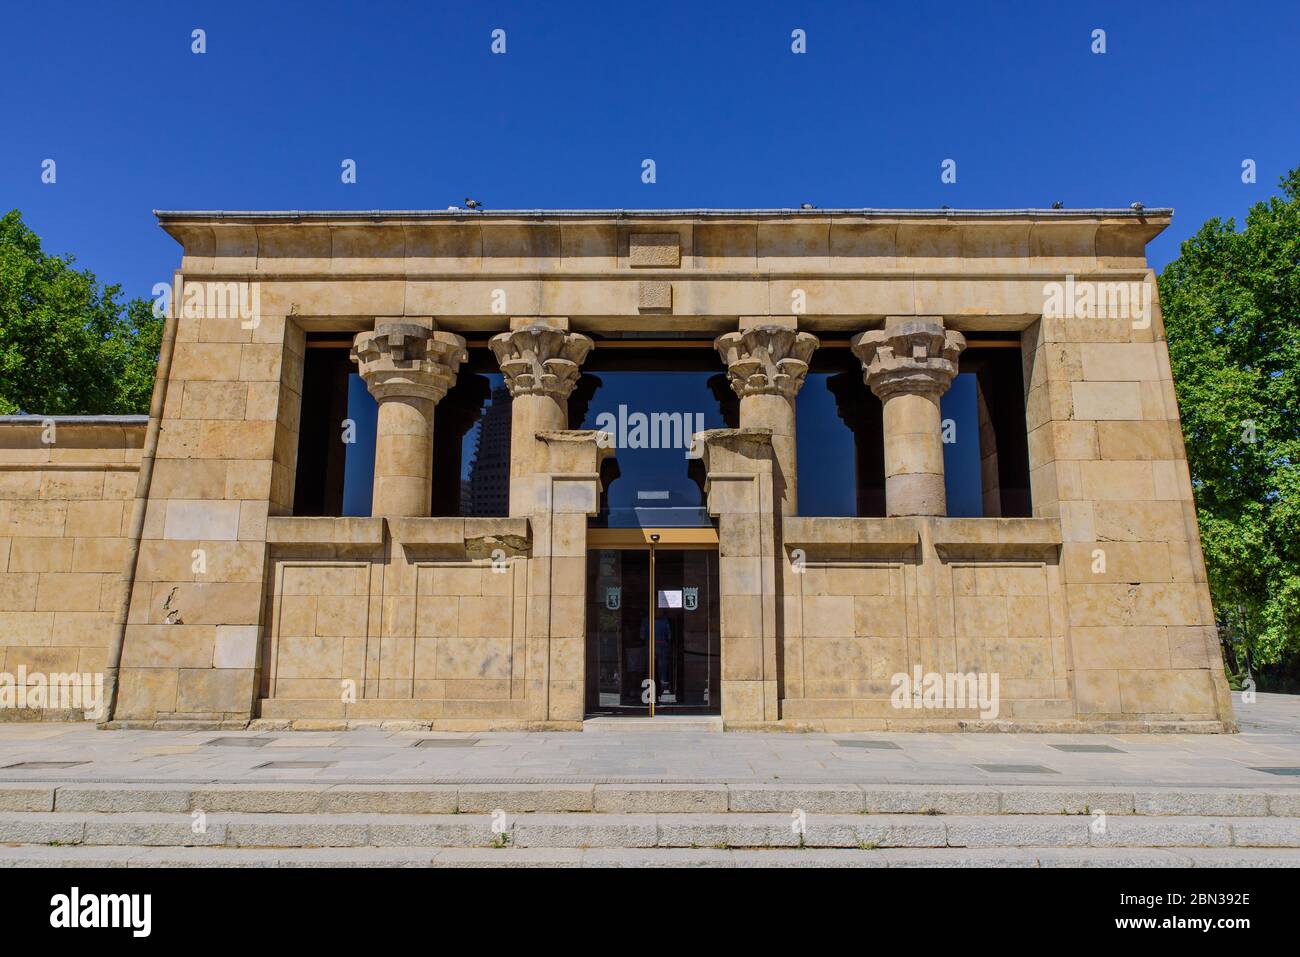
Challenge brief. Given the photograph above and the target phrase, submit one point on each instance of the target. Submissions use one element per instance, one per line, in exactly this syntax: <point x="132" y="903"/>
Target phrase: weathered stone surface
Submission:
<point x="1205" y="801"/>
<point x="119" y="798"/>
<point x="660" y="798"/>
<point x="25" y="797"/>
<point x="517" y="798"/>
<point x="845" y="799"/>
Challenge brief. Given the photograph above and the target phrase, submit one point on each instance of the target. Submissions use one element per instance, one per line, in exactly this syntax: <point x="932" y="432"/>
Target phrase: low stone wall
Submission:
<point x="869" y="600"/>
<point x="413" y="618"/>
<point x="66" y="488"/>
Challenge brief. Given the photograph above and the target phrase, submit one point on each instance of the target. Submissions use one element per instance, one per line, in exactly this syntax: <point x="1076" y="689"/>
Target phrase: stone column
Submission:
<point x="407" y="367"/>
<point x="541" y="361"/>
<point x="766" y="364"/>
<point x="909" y="364"/>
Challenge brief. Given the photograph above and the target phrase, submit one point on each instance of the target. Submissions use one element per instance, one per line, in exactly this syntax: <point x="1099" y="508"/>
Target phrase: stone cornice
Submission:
<point x="563" y="242"/>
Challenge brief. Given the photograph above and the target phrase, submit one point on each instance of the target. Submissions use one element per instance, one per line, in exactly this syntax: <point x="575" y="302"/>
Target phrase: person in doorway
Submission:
<point x="663" y="654"/>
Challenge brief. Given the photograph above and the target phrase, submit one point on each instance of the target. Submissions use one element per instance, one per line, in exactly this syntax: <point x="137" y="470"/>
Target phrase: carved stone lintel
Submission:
<point x="917" y="356"/>
<point x="405" y="359"/>
<point x="538" y="360"/>
<point x="766" y="360"/>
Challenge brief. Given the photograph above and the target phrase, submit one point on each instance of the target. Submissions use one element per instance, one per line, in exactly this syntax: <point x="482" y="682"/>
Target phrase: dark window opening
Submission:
<point x="471" y="442"/>
<point x="336" y="446"/>
<point x="986" y="450"/>
<point x="841" y="444"/>
<point x="839" y="439"/>
<point x="653" y="401"/>
<point x="336" y="437"/>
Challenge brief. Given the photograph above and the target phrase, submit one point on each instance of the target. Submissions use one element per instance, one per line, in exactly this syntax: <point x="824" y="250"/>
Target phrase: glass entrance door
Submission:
<point x="652" y="631"/>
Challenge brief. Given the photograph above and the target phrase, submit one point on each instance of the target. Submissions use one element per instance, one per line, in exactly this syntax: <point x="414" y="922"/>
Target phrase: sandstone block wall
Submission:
<point x="225" y="462"/>
<point x="65" y="514"/>
<point x="1108" y="461"/>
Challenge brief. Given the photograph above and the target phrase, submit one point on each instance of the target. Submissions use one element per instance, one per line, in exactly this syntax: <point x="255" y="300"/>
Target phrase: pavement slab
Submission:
<point x="1235" y="765"/>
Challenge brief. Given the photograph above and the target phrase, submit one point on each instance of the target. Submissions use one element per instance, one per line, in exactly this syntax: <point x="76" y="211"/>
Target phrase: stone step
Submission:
<point x="614" y="830"/>
<point x="140" y="856"/>
<point x="646" y="798"/>
<point x="660" y="724"/>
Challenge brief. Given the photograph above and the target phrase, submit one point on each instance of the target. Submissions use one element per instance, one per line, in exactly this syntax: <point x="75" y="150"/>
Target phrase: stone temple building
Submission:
<point x="797" y="469"/>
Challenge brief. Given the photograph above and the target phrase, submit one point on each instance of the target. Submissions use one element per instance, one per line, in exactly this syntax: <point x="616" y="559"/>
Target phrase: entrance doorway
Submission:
<point x="653" y="643"/>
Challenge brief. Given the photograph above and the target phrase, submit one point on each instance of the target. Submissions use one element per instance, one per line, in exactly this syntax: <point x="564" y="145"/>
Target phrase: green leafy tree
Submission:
<point x="1231" y="303"/>
<point x="68" y="346"/>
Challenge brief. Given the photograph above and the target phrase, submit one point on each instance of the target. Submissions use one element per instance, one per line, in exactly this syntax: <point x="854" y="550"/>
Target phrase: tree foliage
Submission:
<point x="1231" y="304"/>
<point x="68" y="346"/>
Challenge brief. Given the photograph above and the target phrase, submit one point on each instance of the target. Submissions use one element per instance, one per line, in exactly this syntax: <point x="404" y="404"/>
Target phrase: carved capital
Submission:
<point x="404" y="359"/>
<point x="909" y="356"/>
<point x="766" y="360"/>
<point x="537" y="360"/>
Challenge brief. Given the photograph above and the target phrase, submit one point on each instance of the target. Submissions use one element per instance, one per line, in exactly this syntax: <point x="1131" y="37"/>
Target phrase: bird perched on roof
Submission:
<point x="807" y="206"/>
<point x="472" y="203"/>
<point x="1058" y="205"/>
<point x="1138" y="207"/>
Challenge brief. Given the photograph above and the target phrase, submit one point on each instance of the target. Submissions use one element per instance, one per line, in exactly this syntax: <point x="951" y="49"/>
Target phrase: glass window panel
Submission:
<point x="359" y="455"/>
<point x="471" y="442"/>
<point x="485" y="455"/>
<point x="959" y="426"/>
<point x="334" y="476"/>
<point x="652" y="406"/>
<point x="839" y="439"/>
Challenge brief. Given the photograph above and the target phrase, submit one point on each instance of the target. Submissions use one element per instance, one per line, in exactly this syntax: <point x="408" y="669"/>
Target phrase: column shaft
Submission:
<point x="541" y="361"/>
<point x="909" y="365"/>
<point x="766" y="365"/>
<point x="913" y="456"/>
<point x="408" y="367"/>
<point x="403" y="457"/>
<point x="530" y="413"/>
<point x="776" y="412"/>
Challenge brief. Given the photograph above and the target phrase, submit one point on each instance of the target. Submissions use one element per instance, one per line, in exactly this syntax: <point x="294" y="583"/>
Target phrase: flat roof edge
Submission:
<point x="166" y="215"/>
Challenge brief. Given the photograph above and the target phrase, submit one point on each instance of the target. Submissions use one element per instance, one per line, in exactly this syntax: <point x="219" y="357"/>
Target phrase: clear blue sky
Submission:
<point x="586" y="91"/>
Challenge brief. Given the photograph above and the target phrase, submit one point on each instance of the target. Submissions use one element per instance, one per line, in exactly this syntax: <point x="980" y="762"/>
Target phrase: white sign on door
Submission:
<point x="670" y="599"/>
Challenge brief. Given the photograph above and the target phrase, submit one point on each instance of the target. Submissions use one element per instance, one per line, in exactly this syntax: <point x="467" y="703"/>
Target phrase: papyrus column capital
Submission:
<point x="540" y="360"/>
<point x="766" y="359"/>
<point x="910" y="355"/>
<point x="407" y="360"/>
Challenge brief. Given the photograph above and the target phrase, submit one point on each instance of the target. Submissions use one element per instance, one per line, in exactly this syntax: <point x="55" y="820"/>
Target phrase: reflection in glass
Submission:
<point x="336" y="437"/>
<point x="471" y="443"/>
<point x="687" y="661"/>
<point x="359" y="455"/>
<point x="839" y="439"/>
<point x="959" y="426"/>
<point x="652" y="405"/>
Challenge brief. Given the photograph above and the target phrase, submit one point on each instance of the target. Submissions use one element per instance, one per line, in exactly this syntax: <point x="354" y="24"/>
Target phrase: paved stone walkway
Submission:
<point x="1269" y="739"/>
